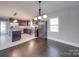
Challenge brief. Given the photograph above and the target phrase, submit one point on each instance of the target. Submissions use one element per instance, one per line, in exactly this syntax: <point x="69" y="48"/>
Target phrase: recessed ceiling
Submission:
<point x="29" y="9"/>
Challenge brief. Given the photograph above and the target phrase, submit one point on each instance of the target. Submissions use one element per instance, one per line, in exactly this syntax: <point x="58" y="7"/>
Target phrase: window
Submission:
<point x="3" y="27"/>
<point x="54" y="23"/>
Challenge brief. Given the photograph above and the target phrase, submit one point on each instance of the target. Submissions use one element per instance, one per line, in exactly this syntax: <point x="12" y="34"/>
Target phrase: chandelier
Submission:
<point x="41" y="16"/>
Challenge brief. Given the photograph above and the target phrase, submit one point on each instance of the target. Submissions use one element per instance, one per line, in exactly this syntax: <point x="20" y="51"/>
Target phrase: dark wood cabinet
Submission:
<point x="16" y="35"/>
<point x="28" y="31"/>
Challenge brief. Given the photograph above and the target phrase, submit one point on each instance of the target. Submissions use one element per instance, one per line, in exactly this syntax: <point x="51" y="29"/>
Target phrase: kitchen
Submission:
<point x="14" y="31"/>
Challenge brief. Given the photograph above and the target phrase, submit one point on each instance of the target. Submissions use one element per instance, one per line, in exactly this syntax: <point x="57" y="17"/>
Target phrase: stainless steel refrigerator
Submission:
<point x="42" y="29"/>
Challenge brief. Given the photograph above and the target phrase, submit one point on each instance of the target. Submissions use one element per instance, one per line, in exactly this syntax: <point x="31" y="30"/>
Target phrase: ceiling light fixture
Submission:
<point x="15" y="21"/>
<point x="41" y="16"/>
<point x="35" y="18"/>
<point x="44" y="16"/>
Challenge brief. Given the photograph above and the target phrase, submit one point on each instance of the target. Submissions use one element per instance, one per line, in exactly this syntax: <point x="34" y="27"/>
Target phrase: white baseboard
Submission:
<point x="65" y="42"/>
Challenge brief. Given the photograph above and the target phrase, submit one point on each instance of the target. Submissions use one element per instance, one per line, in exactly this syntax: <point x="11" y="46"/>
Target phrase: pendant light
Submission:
<point x="44" y="16"/>
<point x="35" y="18"/>
<point x="41" y="16"/>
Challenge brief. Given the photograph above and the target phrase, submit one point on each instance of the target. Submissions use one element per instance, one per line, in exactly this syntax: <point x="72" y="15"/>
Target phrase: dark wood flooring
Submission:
<point x="40" y="48"/>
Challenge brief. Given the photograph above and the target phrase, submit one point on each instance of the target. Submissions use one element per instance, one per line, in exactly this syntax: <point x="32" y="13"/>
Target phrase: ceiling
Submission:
<point x="29" y="9"/>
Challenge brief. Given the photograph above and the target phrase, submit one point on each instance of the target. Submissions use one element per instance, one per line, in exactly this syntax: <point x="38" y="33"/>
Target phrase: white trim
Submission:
<point x="65" y="42"/>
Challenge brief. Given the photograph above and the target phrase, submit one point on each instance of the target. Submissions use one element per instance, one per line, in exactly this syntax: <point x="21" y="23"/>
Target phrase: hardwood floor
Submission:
<point x="40" y="48"/>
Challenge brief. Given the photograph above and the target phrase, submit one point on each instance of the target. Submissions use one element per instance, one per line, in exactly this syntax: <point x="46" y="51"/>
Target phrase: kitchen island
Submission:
<point x="16" y="35"/>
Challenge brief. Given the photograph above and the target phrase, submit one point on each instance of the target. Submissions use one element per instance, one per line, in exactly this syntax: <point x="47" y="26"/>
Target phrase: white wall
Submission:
<point x="68" y="26"/>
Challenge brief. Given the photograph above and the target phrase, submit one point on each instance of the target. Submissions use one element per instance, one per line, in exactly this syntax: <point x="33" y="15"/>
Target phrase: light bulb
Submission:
<point x="35" y="18"/>
<point x="15" y="21"/>
<point x="45" y="16"/>
<point x="39" y="17"/>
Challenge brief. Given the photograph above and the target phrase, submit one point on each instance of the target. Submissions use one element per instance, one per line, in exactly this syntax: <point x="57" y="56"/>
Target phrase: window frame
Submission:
<point x="54" y="25"/>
